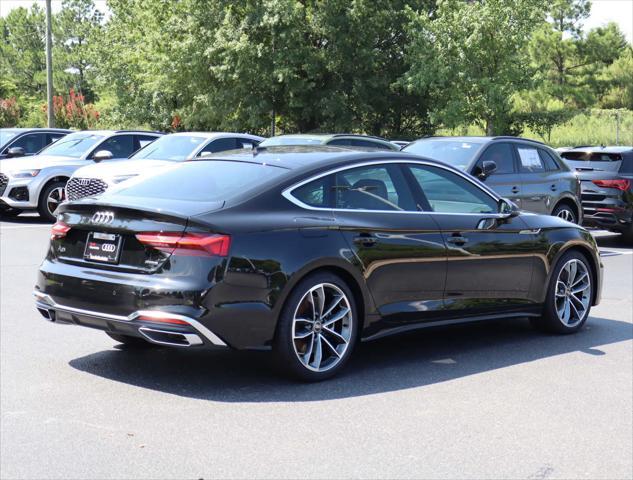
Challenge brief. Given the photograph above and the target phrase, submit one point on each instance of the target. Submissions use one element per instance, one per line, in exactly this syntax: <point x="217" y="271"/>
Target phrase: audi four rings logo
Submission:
<point x="108" y="247"/>
<point x="102" y="217"/>
<point x="84" y="182"/>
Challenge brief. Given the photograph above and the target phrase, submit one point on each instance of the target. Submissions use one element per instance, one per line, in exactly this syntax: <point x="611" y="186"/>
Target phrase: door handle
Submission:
<point x="515" y="189"/>
<point x="553" y="188"/>
<point x="365" y="240"/>
<point x="457" y="239"/>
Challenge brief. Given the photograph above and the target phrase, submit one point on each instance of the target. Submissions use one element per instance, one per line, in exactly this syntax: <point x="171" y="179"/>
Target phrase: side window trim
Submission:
<point x="287" y="192"/>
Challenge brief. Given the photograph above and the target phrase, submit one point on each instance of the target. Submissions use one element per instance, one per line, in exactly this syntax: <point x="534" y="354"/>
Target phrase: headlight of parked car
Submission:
<point x="122" y="178"/>
<point x="24" y="173"/>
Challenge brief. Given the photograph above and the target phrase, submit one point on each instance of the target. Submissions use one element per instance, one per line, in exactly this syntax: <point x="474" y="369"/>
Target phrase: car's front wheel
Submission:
<point x="565" y="212"/>
<point x="317" y="328"/>
<point x="569" y="295"/>
<point x="50" y="199"/>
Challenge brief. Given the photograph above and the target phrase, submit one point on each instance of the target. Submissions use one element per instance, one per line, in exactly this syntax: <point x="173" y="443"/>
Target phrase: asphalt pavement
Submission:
<point x="488" y="400"/>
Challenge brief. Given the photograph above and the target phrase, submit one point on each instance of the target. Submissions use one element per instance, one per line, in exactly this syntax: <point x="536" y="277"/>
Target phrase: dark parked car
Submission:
<point x="526" y="171"/>
<point x="22" y="142"/>
<point x="606" y="175"/>
<point x="306" y="252"/>
<point x="343" y="140"/>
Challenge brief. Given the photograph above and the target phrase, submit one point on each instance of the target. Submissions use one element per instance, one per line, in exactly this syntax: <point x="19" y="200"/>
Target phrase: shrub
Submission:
<point x="9" y="112"/>
<point x="73" y="112"/>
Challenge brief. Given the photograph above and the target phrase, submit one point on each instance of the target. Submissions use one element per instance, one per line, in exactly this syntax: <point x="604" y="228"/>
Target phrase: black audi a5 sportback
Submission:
<point x="306" y="251"/>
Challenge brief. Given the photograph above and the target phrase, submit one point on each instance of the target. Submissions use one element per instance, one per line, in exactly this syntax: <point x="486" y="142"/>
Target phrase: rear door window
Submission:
<point x="530" y="160"/>
<point x="143" y="140"/>
<point x="53" y="137"/>
<point x="316" y="193"/>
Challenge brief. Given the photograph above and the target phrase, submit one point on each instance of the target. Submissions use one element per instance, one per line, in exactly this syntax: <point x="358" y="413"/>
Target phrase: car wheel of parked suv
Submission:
<point x="569" y="295"/>
<point x="50" y="198"/>
<point x="565" y="212"/>
<point x="317" y="328"/>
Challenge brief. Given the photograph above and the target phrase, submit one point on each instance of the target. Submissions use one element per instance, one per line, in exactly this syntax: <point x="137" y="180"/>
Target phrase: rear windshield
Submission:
<point x="592" y="156"/>
<point x="171" y="147"/>
<point x="206" y="181"/>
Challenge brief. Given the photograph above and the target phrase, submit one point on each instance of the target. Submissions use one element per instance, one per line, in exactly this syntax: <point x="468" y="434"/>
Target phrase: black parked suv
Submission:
<point x="606" y="175"/>
<point x="21" y="142"/>
<point x="526" y="171"/>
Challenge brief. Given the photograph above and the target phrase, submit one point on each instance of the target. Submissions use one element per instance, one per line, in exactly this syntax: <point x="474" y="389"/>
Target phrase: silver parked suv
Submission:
<point x="37" y="182"/>
<point x="526" y="171"/>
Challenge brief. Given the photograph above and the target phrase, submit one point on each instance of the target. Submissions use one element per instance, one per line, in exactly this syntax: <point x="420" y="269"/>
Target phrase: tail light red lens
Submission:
<point x="193" y="244"/>
<point x="621" y="184"/>
<point x="59" y="230"/>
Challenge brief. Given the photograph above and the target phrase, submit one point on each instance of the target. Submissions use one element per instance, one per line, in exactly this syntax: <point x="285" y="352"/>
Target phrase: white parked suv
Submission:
<point x="176" y="147"/>
<point x="37" y="182"/>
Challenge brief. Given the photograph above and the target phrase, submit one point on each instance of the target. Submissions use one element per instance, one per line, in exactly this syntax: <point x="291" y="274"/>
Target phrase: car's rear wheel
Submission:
<point x="317" y="328"/>
<point x="129" y="340"/>
<point x="50" y="198"/>
<point x="565" y="212"/>
<point x="569" y="295"/>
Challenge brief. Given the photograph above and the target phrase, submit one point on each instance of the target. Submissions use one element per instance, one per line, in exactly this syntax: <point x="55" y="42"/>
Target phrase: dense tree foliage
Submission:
<point x="400" y="68"/>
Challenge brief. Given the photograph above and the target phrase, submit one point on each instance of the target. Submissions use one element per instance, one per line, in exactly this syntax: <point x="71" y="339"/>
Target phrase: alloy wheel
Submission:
<point x="55" y="197"/>
<point x="566" y="214"/>
<point x="322" y="327"/>
<point x="573" y="292"/>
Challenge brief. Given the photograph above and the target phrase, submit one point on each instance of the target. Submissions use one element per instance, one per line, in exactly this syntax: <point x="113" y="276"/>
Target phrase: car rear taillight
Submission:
<point x="620" y="184"/>
<point x="59" y="230"/>
<point x="200" y="244"/>
<point x="160" y="317"/>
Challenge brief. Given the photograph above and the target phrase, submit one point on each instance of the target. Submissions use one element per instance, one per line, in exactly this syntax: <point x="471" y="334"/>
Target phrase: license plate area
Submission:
<point x="103" y="247"/>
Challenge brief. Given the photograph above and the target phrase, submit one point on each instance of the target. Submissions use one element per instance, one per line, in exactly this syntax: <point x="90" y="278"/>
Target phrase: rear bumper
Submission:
<point x="607" y="210"/>
<point x="147" y="324"/>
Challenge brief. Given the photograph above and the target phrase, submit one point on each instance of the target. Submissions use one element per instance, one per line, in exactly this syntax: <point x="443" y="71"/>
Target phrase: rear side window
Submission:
<point x="530" y="159"/>
<point x="144" y="140"/>
<point x="501" y="154"/>
<point x="53" y="137"/>
<point x="315" y="193"/>
<point x="548" y="160"/>
<point x="374" y="187"/>
<point x="201" y="181"/>
<point x="627" y="164"/>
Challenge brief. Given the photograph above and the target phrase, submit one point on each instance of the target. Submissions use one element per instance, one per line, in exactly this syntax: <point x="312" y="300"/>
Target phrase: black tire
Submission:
<point x="129" y="341"/>
<point x="627" y="236"/>
<point x="286" y="347"/>
<point x="10" y="212"/>
<point x="550" y="320"/>
<point x="566" y="212"/>
<point x="43" y="205"/>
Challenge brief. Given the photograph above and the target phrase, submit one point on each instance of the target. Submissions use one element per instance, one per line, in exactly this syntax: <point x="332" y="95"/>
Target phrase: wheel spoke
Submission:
<point x="572" y="273"/>
<point x="308" y="354"/>
<point x="304" y="320"/>
<point x="579" y="279"/>
<point x="318" y="351"/>
<point x="335" y="303"/>
<point x="330" y="346"/>
<point x="301" y="335"/>
<point x="335" y="334"/>
<point x="335" y="318"/>
<point x="320" y="305"/>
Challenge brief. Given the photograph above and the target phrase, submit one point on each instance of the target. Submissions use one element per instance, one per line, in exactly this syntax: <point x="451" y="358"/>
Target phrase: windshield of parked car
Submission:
<point x="6" y="135"/>
<point x="456" y="153"/>
<point x="171" y="147"/>
<point x="73" y="145"/>
<point x="591" y="156"/>
<point x="290" y="140"/>
<point x="200" y="181"/>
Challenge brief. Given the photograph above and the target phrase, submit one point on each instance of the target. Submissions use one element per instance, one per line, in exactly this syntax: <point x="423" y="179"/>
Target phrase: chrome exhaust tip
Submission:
<point x="170" y="338"/>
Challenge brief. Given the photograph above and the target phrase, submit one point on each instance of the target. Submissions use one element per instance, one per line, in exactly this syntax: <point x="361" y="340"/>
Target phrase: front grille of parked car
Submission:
<point x="77" y="188"/>
<point x="4" y="180"/>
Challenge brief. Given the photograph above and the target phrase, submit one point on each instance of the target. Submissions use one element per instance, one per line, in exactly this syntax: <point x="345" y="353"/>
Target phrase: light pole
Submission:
<point x="49" y="66"/>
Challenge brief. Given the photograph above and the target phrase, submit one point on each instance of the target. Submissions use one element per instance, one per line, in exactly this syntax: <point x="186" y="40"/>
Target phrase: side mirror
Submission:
<point x="102" y="155"/>
<point x="488" y="167"/>
<point x="507" y="208"/>
<point x="16" y="152"/>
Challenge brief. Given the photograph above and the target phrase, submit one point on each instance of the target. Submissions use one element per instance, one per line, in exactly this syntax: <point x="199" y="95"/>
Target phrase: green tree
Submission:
<point x="470" y="57"/>
<point x="77" y="28"/>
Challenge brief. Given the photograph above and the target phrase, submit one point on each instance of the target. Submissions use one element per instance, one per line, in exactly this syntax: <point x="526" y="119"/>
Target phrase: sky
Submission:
<point x="602" y="12"/>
